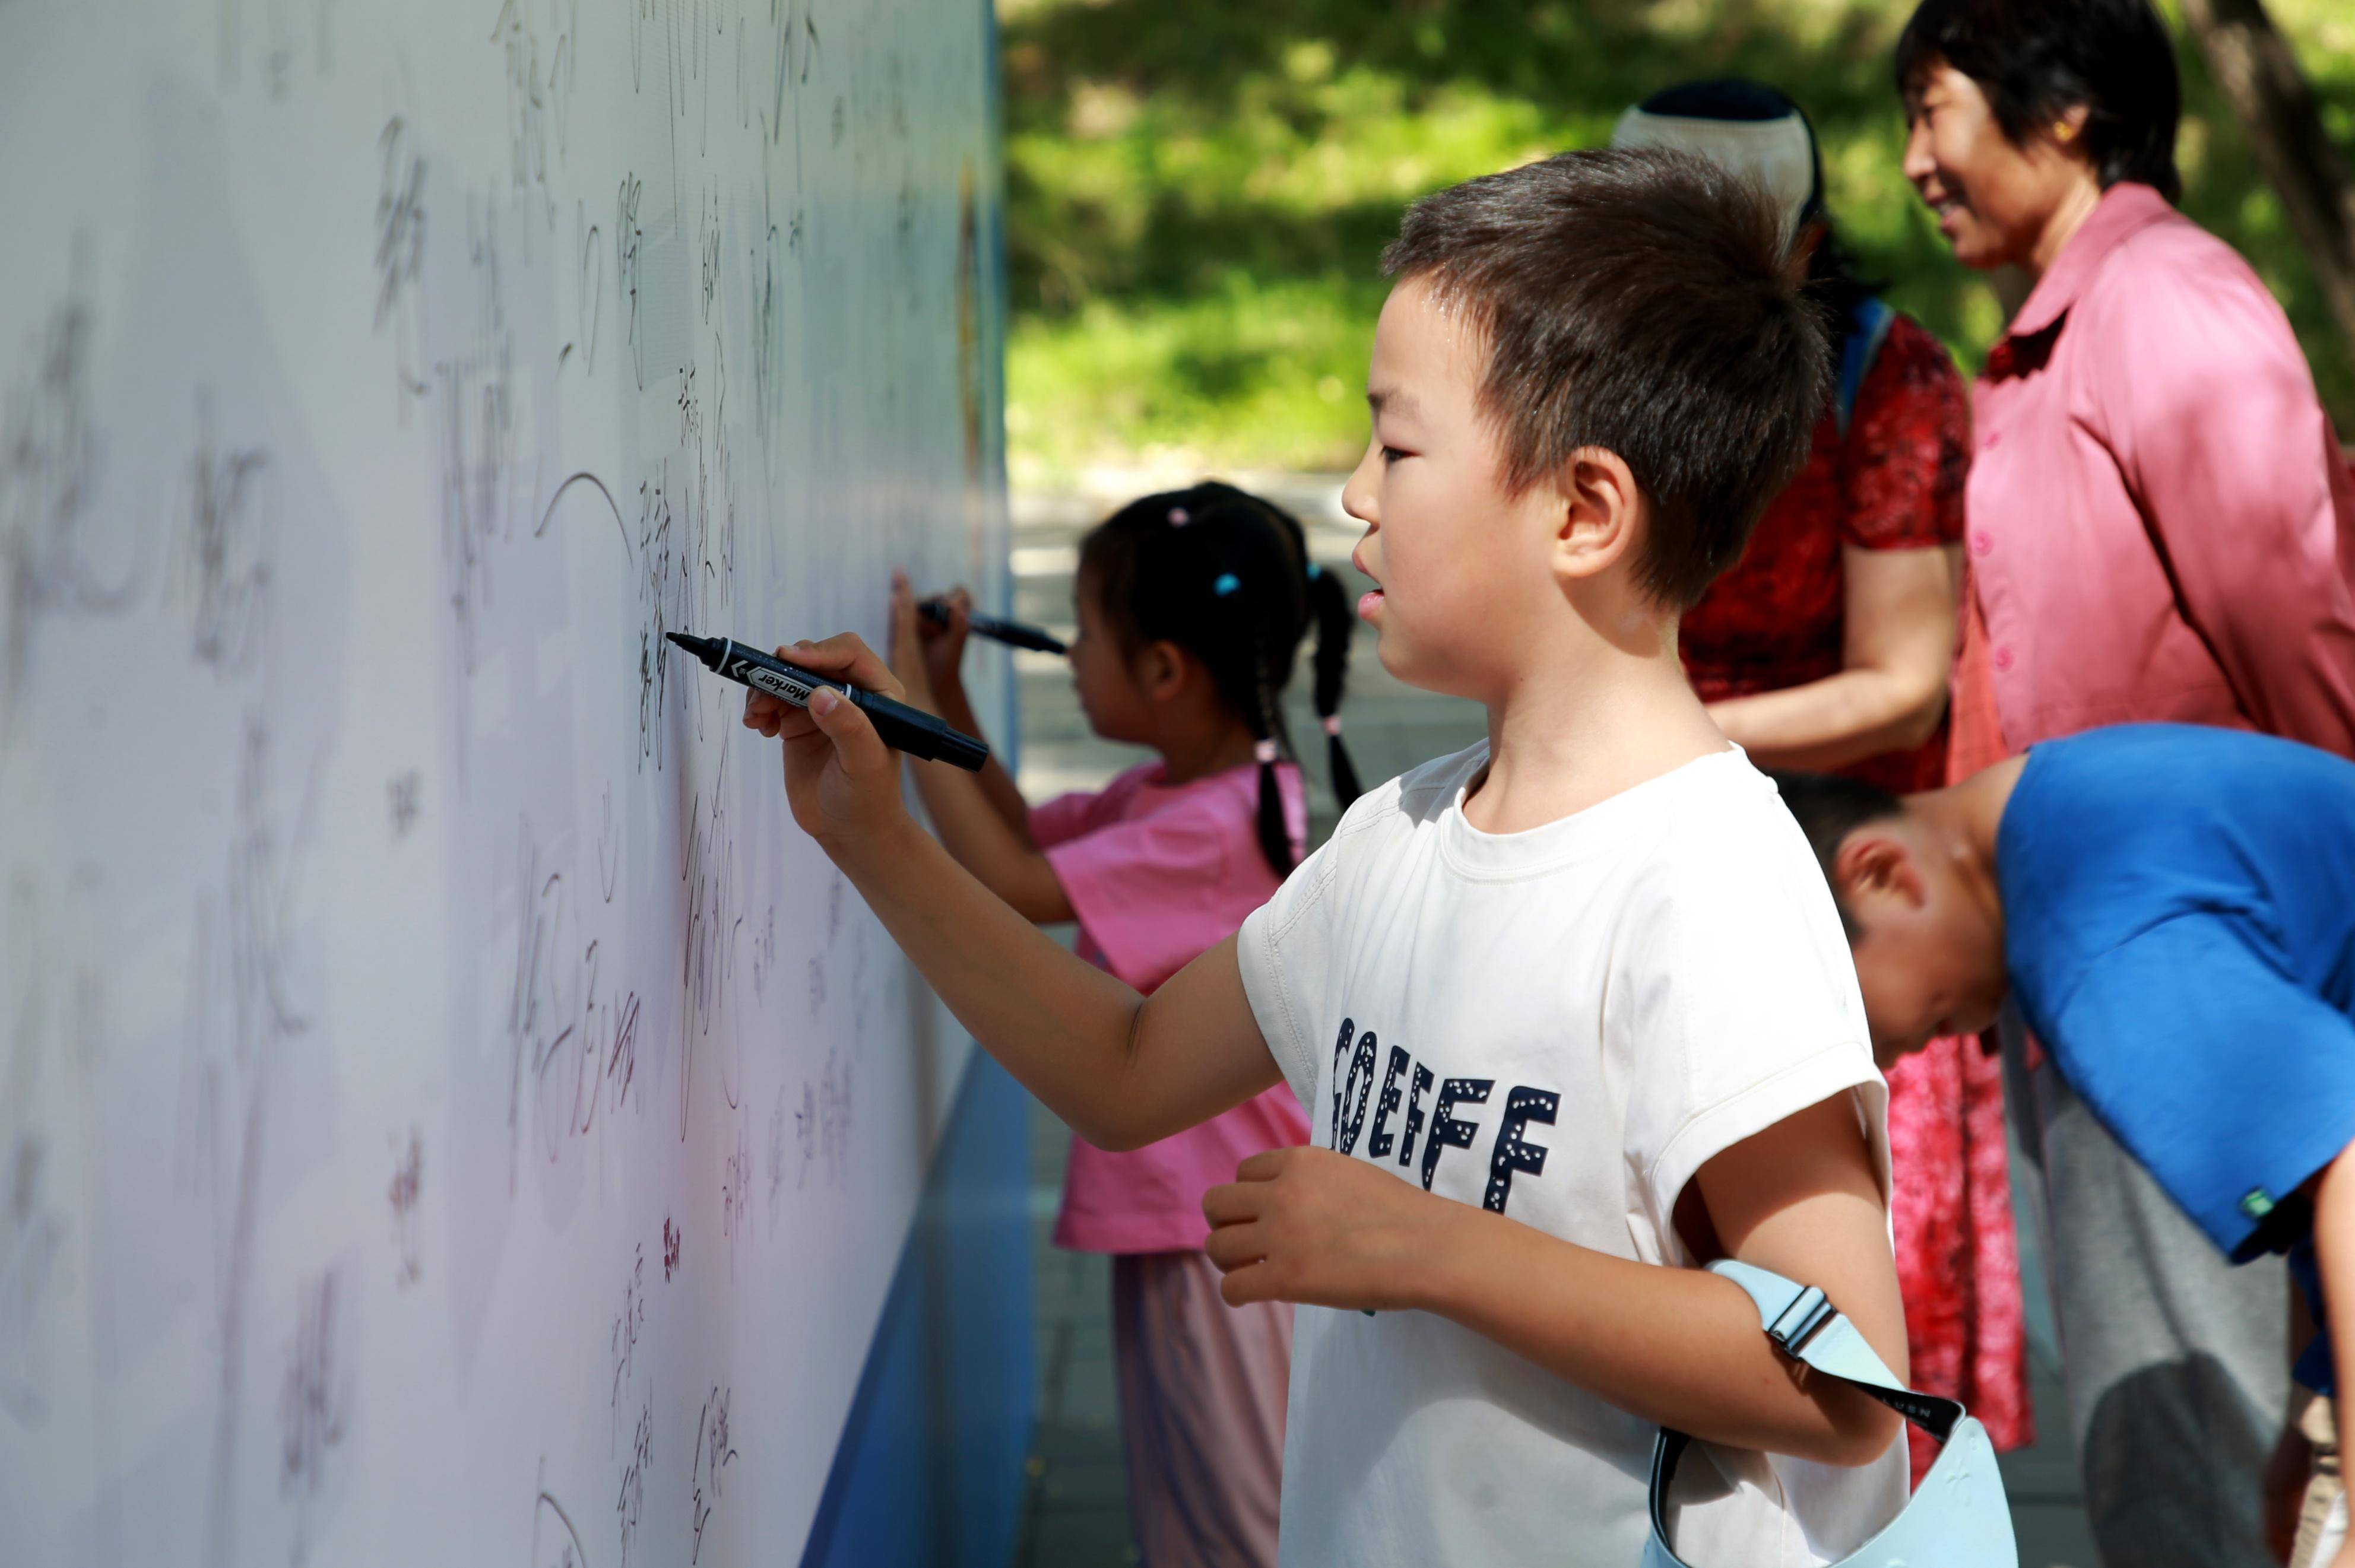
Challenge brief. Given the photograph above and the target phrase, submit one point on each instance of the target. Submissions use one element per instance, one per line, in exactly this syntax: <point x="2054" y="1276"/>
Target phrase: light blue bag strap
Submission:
<point x="1866" y="332"/>
<point x="1803" y="1323"/>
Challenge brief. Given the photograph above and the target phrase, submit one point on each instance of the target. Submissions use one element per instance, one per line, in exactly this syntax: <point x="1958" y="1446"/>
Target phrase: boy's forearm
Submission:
<point x="1058" y="1024"/>
<point x="1678" y="1347"/>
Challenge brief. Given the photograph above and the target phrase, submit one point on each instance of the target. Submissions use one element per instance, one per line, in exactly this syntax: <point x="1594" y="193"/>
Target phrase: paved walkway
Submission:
<point x="1076" y="1516"/>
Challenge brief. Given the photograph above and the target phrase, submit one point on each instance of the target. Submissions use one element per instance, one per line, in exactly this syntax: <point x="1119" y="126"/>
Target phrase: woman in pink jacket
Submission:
<point x="2158" y="525"/>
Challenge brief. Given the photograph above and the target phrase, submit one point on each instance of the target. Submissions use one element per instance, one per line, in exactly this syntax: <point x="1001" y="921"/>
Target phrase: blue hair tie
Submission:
<point x="1228" y="582"/>
<point x="1315" y="571"/>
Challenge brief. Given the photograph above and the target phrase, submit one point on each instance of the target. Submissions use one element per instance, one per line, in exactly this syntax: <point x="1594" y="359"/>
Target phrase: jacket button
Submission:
<point x="1981" y="543"/>
<point x="2003" y="658"/>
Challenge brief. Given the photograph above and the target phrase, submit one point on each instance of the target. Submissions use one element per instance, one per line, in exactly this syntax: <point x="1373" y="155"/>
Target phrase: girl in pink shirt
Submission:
<point x="1190" y="607"/>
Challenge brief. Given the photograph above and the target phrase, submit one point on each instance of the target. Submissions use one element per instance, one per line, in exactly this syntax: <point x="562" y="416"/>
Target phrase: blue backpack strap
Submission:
<point x="1868" y="330"/>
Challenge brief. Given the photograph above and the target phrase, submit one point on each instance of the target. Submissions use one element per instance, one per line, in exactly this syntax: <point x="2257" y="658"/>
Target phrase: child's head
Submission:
<point x="1591" y="377"/>
<point x="1928" y="945"/>
<point x="1190" y="606"/>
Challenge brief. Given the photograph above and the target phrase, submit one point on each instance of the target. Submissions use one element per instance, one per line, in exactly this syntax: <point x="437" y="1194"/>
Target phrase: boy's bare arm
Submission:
<point x="1122" y="1070"/>
<point x="1678" y="1347"/>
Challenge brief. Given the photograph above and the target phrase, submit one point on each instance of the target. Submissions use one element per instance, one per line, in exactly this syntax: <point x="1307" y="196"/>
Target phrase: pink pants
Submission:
<point x="1201" y="1412"/>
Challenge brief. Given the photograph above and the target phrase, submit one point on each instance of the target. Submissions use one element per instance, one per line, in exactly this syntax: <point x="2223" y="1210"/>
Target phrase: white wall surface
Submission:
<point x="448" y="1114"/>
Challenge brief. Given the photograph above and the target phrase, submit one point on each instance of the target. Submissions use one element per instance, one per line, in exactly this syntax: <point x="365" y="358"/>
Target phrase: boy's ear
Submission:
<point x="1876" y="867"/>
<point x="1601" y="510"/>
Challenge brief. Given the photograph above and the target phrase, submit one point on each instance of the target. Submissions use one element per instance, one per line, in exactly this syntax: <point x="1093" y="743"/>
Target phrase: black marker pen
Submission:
<point x="1014" y="634"/>
<point x="903" y="728"/>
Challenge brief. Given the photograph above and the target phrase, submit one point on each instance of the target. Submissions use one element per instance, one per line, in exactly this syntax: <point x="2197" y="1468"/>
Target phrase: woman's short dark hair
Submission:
<point x="1636" y="300"/>
<point x="2037" y="59"/>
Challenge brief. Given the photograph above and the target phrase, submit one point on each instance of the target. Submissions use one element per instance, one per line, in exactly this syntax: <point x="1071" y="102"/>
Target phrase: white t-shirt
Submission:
<point x="1563" y="1026"/>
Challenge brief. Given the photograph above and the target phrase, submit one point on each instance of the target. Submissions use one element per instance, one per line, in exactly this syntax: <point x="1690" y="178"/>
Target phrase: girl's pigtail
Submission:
<point x="1274" y="836"/>
<point x="1335" y="624"/>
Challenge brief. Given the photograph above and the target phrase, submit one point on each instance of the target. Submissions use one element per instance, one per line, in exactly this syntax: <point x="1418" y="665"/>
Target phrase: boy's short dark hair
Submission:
<point x="1636" y="300"/>
<point x="1829" y="808"/>
<point x="2037" y="59"/>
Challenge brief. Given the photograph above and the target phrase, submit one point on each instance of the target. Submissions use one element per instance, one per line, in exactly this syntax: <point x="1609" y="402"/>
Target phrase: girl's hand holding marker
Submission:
<point x="928" y="637"/>
<point x="956" y="609"/>
<point x="928" y="649"/>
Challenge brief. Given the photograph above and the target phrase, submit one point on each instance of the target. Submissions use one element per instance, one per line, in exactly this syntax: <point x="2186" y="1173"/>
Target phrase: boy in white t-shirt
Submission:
<point x="1571" y="1012"/>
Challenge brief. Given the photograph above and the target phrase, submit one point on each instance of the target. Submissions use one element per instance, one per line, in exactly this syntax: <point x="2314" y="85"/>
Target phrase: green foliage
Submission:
<point x="1199" y="189"/>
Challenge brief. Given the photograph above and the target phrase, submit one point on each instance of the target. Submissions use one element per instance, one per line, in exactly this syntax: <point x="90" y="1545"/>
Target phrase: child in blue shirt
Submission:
<point x="2172" y="908"/>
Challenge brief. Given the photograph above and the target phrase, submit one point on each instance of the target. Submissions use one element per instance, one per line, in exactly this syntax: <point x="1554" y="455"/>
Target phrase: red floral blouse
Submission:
<point x="1894" y="482"/>
<point x="1775" y="620"/>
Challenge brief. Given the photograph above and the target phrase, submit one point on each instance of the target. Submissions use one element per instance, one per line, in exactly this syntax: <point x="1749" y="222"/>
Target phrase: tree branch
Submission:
<point x="2253" y="63"/>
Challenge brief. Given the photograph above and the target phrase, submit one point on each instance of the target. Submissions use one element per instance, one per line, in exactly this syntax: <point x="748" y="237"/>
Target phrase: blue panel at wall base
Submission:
<point x="930" y="1469"/>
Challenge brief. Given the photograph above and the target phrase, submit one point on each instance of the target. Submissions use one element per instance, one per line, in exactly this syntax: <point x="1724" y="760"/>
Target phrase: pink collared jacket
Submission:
<point x="2159" y="523"/>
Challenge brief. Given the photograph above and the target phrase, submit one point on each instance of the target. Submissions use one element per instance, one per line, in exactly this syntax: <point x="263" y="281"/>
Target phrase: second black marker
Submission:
<point x="1014" y="634"/>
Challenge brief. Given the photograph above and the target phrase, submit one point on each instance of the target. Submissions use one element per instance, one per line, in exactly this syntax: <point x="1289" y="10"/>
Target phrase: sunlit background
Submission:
<point x="1199" y="189"/>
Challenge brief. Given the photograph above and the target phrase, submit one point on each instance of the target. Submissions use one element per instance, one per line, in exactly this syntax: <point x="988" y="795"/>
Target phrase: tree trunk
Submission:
<point x="2253" y="63"/>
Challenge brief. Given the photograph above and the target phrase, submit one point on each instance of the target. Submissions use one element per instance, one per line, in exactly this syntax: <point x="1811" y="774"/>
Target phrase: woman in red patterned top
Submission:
<point x="1826" y="647"/>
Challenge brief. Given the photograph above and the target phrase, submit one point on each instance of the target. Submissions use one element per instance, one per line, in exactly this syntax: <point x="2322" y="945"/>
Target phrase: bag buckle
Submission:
<point x="1801" y="1320"/>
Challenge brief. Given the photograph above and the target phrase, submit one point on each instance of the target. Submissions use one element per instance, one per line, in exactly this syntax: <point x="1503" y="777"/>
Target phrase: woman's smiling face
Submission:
<point x="1994" y="201"/>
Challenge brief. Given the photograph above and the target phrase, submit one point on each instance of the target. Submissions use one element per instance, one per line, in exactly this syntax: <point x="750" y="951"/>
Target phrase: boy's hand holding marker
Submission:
<point x="1297" y="1224"/>
<point x="900" y="727"/>
<point x="841" y="780"/>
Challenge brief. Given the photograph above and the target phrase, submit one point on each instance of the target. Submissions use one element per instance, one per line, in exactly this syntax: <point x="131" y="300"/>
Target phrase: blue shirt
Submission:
<point x="2180" y="932"/>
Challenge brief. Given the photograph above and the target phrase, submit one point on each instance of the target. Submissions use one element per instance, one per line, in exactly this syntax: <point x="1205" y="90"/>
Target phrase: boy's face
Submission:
<point x="1929" y="960"/>
<point x="1459" y="566"/>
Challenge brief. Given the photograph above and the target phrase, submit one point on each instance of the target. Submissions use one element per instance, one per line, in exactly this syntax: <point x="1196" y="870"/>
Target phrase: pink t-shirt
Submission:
<point x="1157" y="874"/>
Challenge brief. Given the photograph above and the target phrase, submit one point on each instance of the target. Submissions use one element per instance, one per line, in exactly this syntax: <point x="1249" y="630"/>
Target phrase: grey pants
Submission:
<point x="2176" y="1363"/>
